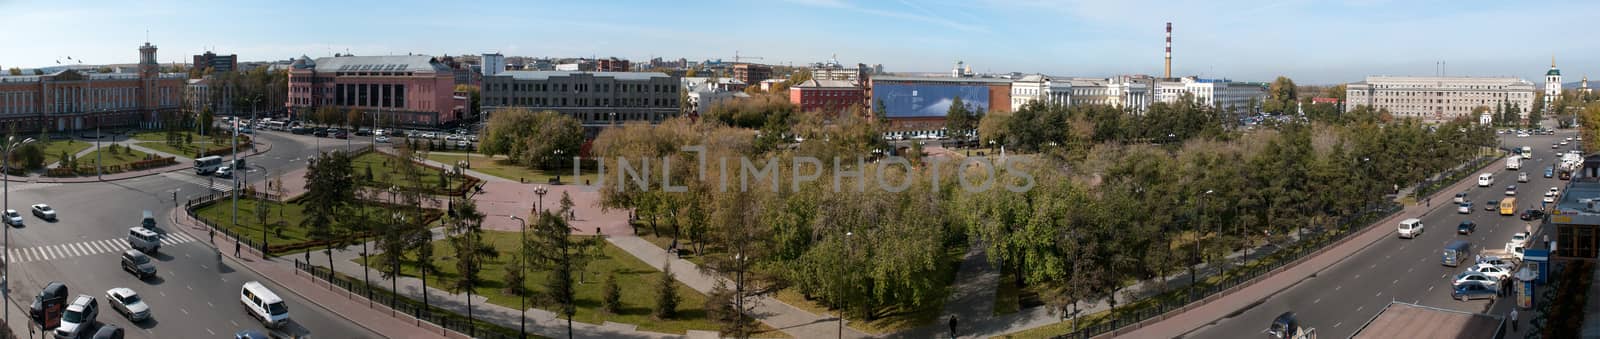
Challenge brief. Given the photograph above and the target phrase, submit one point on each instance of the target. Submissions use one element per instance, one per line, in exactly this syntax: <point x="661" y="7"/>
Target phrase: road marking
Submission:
<point x="235" y="323"/>
<point x="84" y="248"/>
<point x="1358" y="309"/>
<point x="1408" y="270"/>
<point x="1380" y="293"/>
<point x="184" y="311"/>
<point x="1316" y="301"/>
<point x="1430" y="288"/>
<point x="1358" y="276"/>
<point x="207" y="330"/>
<point x="1396" y="281"/>
<point x="1336" y="288"/>
<point x="208" y="303"/>
<point x="1337" y="325"/>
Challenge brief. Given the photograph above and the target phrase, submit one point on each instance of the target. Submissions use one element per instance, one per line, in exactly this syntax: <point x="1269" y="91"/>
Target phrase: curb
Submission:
<point x="172" y="219"/>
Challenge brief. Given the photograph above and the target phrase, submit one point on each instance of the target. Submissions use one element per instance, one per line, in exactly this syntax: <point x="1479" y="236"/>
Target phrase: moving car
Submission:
<point x="1465" y="208"/>
<point x="1522" y="177"/>
<point x="1491" y="205"/>
<point x="1532" y="213"/>
<point x="108" y="331"/>
<point x="1467" y="227"/>
<point x="138" y="263"/>
<point x="1410" y="228"/>
<point x="1486" y="179"/>
<point x="250" y="334"/>
<point x="1461" y="197"/>
<point x="13" y="218"/>
<point x="1549" y="171"/>
<point x="1511" y="190"/>
<point x="1285" y="326"/>
<point x="263" y="305"/>
<point x="127" y="302"/>
<point x="43" y="211"/>
<point x="1473" y="290"/>
<point x="80" y="315"/>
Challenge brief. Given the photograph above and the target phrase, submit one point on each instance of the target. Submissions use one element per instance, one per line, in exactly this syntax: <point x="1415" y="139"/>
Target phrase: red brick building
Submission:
<point x="612" y="65"/>
<point x="405" y="90"/>
<point x="827" y="95"/>
<point x="75" y="100"/>
<point x="752" y="74"/>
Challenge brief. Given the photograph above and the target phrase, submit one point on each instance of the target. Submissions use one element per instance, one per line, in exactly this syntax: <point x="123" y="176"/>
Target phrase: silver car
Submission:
<point x="124" y="300"/>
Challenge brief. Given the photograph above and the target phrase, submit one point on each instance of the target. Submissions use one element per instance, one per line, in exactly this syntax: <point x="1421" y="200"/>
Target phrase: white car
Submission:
<point x="428" y="135"/>
<point x="1505" y="263"/>
<point x="1555" y="190"/>
<point x="1522" y="135"/>
<point x="1519" y="239"/>
<point x="1474" y="276"/>
<point x="1490" y="270"/>
<point x="1464" y="208"/>
<point x="1569" y="139"/>
<point x="43" y="211"/>
<point x="13" y="218"/>
<point x="124" y="300"/>
<point x="1511" y="190"/>
<point x="79" y="315"/>
<point x="381" y="139"/>
<point x="1549" y="197"/>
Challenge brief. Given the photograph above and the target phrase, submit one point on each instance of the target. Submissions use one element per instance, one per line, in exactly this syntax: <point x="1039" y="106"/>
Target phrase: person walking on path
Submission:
<point x="236" y="249"/>
<point x="1513" y="319"/>
<point x="952" y="326"/>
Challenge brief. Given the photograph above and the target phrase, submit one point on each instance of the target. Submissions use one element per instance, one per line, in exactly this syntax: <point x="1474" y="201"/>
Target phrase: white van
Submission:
<point x="144" y="239"/>
<point x="1410" y="228"/>
<point x="263" y="304"/>
<point x="1486" y="179"/>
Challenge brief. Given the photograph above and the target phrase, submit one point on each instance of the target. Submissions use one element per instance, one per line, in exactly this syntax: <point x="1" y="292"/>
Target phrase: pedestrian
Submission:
<point x="953" y="326"/>
<point x="1513" y="319"/>
<point x="235" y="249"/>
<point x="211" y="234"/>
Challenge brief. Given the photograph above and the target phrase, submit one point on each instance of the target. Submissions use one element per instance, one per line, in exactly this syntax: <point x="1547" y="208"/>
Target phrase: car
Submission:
<point x="1461" y="197"/>
<point x="1531" y="214"/>
<point x="1465" y="208"/>
<point x="319" y="132"/>
<point x="1522" y="135"/>
<point x="1522" y="177"/>
<point x="341" y="135"/>
<point x="1411" y="228"/>
<point x="127" y="302"/>
<point x="452" y="137"/>
<point x="463" y="144"/>
<point x="1549" y="197"/>
<point x="1563" y="143"/>
<point x="1549" y="171"/>
<point x="381" y="139"/>
<point x="1466" y="227"/>
<point x="361" y="132"/>
<point x="250" y="334"/>
<point x="1473" y="290"/>
<point x="108" y="331"/>
<point x="429" y="135"/>
<point x="380" y="131"/>
<point x="13" y="218"/>
<point x="1492" y="205"/>
<point x="54" y="293"/>
<point x="1511" y="190"/>
<point x="138" y="264"/>
<point x="246" y="130"/>
<point x="1555" y="146"/>
<point x="1519" y="239"/>
<point x="79" y="316"/>
<point x="472" y="138"/>
<point x="1506" y="263"/>
<point x="1555" y="190"/>
<point x="43" y="211"/>
<point x="224" y="172"/>
<point x="1470" y="276"/>
<point x="1490" y="270"/>
<point x="1568" y="139"/>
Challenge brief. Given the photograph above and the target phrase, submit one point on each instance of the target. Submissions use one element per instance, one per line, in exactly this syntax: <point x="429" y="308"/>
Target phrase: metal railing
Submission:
<point x="435" y="315"/>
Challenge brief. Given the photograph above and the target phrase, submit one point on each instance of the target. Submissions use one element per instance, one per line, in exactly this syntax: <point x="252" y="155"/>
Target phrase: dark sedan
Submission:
<point x="1532" y="214"/>
<point x="1467" y="227"/>
<point x="1472" y="290"/>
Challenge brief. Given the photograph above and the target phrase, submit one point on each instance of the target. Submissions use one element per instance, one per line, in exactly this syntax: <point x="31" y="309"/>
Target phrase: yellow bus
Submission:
<point x="1508" y="206"/>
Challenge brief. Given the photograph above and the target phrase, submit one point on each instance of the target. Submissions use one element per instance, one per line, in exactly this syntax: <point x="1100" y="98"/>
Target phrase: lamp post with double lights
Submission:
<point x="10" y="145"/>
<point x="540" y="191"/>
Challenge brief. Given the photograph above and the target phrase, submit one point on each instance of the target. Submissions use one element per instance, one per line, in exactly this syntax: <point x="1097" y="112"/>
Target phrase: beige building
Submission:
<point x="1438" y="98"/>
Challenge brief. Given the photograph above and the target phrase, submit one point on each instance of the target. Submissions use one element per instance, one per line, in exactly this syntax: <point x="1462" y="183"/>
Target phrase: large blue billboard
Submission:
<point x="928" y="100"/>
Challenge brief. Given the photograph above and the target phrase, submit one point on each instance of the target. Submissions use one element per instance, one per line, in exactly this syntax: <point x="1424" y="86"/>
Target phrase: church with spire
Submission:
<point x="1552" y="84"/>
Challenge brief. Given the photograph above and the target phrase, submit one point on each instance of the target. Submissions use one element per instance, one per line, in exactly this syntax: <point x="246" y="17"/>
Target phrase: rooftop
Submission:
<point x="385" y="63"/>
<point x="545" y="75"/>
<point x="1411" y="321"/>
<point x="942" y="79"/>
<point x="814" y="83"/>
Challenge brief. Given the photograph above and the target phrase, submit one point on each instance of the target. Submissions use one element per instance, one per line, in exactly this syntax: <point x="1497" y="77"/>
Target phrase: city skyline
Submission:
<point x="1312" y="42"/>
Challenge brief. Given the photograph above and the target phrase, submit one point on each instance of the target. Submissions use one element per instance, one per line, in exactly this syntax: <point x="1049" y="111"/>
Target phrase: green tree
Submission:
<point x="1281" y="95"/>
<point x="473" y="97"/>
<point x="666" y="293"/>
<point x="611" y="294"/>
<point x="15" y="71"/>
<point x="563" y="257"/>
<point x="471" y="249"/>
<point x="532" y="139"/>
<point x="960" y="117"/>
<point x="330" y="190"/>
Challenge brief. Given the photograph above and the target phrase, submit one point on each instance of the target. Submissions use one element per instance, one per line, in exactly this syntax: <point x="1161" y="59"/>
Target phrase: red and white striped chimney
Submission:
<point x="1168" y="72"/>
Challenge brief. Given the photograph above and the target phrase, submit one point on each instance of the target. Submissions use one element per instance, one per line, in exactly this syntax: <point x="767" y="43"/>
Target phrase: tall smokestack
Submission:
<point x="1168" y="72"/>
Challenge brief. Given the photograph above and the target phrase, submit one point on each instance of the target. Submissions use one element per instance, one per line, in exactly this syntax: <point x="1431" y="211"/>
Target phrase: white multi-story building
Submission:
<point x="1037" y="86"/>
<point x="1552" y="84"/>
<point x="493" y="64"/>
<point x="1131" y="93"/>
<point x="1220" y="93"/>
<point x="1438" y="98"/>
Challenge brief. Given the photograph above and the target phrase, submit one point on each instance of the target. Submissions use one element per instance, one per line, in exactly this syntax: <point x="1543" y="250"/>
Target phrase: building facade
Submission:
<point x="217" y="63"/>
<point x="752" y="73"/>
<point x="612" y="65"/>
<point x="1223" y="94"/>
<point x="401" y="90"/>
<point x="1131" y="93"/>
<point x="596" y="99"/>
<point x="1552" y="84"/>
<point x="1036" y="87"/>
<point x="831" y="96"/>
<point x="1438" y="98"/>
<point x="493" y="64"/>
<point x="923" y="102"/>
<point x="76" y="99"/>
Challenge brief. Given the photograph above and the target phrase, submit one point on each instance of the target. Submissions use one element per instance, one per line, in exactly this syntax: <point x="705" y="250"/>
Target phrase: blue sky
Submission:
<point x="1311" y="41"/>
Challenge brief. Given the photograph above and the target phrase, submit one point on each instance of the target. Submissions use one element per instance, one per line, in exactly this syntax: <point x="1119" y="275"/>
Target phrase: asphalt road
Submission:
<point x="195" y="294"/>
<point x="1339" y="300"/>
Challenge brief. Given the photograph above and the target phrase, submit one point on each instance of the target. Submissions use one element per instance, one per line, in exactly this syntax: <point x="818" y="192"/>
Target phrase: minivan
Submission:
<point x="264" y="305"/>
<point x="1410" y="228"/>
<point x="149" y="220"/>
<point x="138" y="263"/>
<point x="1486" y="179"/>
<point x="144" y="239"/>
<point x="1456" y="252"/>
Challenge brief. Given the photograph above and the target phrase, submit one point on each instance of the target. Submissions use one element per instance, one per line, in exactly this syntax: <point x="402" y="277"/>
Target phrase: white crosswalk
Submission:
<point x="215" y="184"/>
<point x="78" y="249"/>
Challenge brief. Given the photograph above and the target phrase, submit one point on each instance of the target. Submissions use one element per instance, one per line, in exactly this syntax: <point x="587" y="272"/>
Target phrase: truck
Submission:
<point x="1570" y="162"/>
<point x="1513" y="163"/>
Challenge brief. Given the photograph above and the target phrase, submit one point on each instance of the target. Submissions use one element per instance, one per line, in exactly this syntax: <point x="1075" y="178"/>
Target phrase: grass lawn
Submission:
<point x="664" y="240"/>
<point x="221" y="213"/>
<point x="123" y="156"/>
<point x="636" y="279"/>
<point x="53" y="149"/>
<point x="161" y="136"/>
<point x="183" y="150"/>
<point x="386" y="174"/>
<point x="500" y="167"/>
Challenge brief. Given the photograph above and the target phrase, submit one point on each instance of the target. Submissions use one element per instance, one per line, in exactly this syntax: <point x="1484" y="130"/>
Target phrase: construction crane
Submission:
<point x="737" y="57"/>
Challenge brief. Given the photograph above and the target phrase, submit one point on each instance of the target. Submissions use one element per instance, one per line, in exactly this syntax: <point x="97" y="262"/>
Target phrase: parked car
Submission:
<point x="108" y="331"/>
<point x="320" y="133"/>
<point x="127" y="302"/>
<point x="381" y="139"/>
<point x="1467" y="227"/>
<point x="1519" y="239"/>
<point x="1531" y="214"/>
<point x="1473" y="290"/>
<point x="43" y="211"/>
<point x="250" y="334"/>
<point x="13" y="218"/>
<point x="1470" y="276"/>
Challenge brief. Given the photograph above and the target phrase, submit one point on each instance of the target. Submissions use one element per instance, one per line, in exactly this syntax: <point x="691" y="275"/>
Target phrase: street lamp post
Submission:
<point x="521" y="295"/>
<point x="1199" y="256"/>
<point x="5" y="288"/>
<point x="540" y="191"/>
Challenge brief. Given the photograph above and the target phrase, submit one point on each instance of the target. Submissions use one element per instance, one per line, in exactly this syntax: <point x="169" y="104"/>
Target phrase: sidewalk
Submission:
<point x="1195" y="316"/>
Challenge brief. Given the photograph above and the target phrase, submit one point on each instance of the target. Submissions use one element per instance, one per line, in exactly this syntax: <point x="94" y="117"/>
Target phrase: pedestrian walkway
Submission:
<point x="972" y="297"/>
<point x="84" y="248"/>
